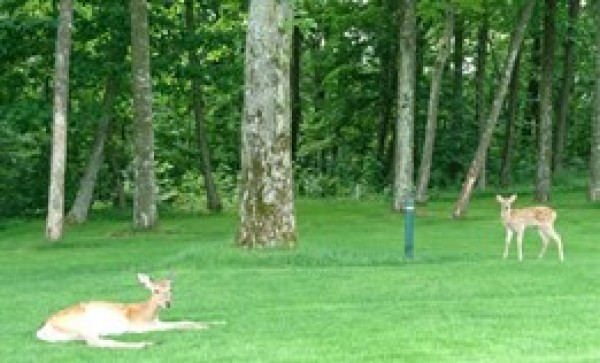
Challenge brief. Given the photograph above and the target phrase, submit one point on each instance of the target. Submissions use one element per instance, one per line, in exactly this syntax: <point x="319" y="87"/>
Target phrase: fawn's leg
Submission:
<point x="98" y="342"/>
<point x="550" y="231"/>
<point x="520" y="242"/>
<point x="544" y="237"/>
<point x="509" y="235"/>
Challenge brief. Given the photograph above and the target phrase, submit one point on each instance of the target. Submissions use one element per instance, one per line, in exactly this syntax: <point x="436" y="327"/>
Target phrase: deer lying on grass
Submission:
<point x="516" y="220"/>
<point x="91" y="321"/>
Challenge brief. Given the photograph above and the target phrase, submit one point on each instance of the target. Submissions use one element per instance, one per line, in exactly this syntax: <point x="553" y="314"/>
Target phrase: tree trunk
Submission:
<point x="145" y="214"/>
<point x="56" y="196"/>
<point x="482" y="40"/>
<point x="566" y="85"/>
<point x="213" y="200"/>
<point x="509" y="138"/>
<point x="403" y="168"/>
<point x="457" y="60"/>
<point x="544" y="170"/>
<point x="533" y="89"/>
<point x="295" y="89"/>
<point x="432" y="113"/>
<point x="119" y="199"/>
<point x="594" y="192"/>
<point x="484" y="142"/>
<point x="388" y="59"/>
<point x="81" y="206"/>
<point x="267" y="215"/>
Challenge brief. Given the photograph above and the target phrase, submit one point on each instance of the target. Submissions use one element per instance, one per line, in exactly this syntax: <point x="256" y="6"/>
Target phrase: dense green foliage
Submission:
<point x="344" y="295"/>
<point x="348" y="51"/>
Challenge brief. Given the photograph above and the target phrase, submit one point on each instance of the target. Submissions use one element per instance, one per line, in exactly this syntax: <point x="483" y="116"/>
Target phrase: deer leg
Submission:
<point x="98" y="342"/>
<point x="509" y="235"/>
<point x="520" y="243"/>
<point x="179" y="325"/>
<point x="556" y="237"/>
<point x="544" y="236"/>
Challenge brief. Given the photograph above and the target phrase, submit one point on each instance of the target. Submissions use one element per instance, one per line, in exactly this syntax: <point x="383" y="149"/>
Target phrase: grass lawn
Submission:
<point x="344" y="295"/>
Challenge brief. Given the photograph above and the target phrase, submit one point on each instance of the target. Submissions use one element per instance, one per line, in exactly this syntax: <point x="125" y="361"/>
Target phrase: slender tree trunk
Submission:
<point x="434" y="97"/>
<point x="295" y="89"/>
<point x="145" y="214"/>
<point x="119" y="199"/>
<point x="594" y="192"/>
<point x="213" y="200"/>
<point x="544" y="170"/>
<point x="566" y="86"/>
<point x="533" y="89"/>
<point x="81" y="206"/>
<point x="387" y="76"/>
<point x="267" y="215"/>
<point x="509" y="138"/>
<point x="458" y="57"/>
<point x="56" y="196"/>
<point x="482" y="40"/>
<point x="484" y="142"/>
<point x="404" y="168"/>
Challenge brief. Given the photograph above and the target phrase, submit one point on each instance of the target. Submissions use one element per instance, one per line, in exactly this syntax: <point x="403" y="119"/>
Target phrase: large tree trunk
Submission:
<point x="81" y="206"/>
<point x="565" y="88"/>
<point x="509" y="137"/>
<point x="213" y="200"/>
<point x="482" y="40"/>
<point x="404" y="168"/>
<point x="432" y="111"/>
<point x="544" y="170"/>
<point x="594" y="191"/>
<point x="295" y="89"/>
<point x="145" y="214"/>
<point x="56" y="196"/>
<point x="484" y="142"/>
<point x="267" y="215"/>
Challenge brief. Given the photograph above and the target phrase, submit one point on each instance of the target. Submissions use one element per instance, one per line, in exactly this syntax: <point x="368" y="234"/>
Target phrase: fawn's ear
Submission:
<point x="145" y="280"/>
<point x="513" y="198"/>
<point x="499" y="198"/>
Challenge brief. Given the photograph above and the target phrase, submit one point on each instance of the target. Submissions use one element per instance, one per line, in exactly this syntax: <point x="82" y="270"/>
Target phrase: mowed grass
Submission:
<point x="344" y="295"/>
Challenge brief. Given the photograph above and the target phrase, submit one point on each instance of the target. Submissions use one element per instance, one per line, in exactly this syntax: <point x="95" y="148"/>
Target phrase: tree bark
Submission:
<point x="566" y="86"/>
<point x="267" y="217"/>
<point x="509" y="138"/>
<point x="213" y="200"/>
<point x="145" y="214"/>
<point x="81" y="206"/>
<point x="404" y="168"/>
<point x="56" y="195"/>
<point x="482" y="40"/>
<point x="594" y="191"/>
<point x="457" y="60"/>
<point x="544" y="170"/>
<point x="295" y="89"/>
<point x="432" y="113"/>
<point x="484" y="142"/>
<point x="533" y="89"/>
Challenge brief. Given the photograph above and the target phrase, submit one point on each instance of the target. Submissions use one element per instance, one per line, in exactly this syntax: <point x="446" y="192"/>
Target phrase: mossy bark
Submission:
<point x="267" y="217"/>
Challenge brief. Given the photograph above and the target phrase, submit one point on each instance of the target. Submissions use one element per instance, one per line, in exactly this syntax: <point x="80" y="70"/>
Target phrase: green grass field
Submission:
<point x="344" y="295"/>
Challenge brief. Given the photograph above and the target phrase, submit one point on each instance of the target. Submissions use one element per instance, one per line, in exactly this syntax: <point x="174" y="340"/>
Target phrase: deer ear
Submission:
<point x="145" y="280"/>
<point x="513" y="198"/>
<point x="499" y="198"/>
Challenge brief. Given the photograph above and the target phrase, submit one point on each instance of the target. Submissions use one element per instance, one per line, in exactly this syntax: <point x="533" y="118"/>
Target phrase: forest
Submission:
<point x="347" y="126"/>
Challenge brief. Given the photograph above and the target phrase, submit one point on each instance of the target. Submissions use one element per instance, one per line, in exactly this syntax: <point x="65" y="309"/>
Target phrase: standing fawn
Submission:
<point x="90" y="321"/>
<point x="516" y="220"/>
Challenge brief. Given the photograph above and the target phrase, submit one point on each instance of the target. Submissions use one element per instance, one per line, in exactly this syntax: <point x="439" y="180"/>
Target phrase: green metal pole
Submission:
<point x="409" y="228"/>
